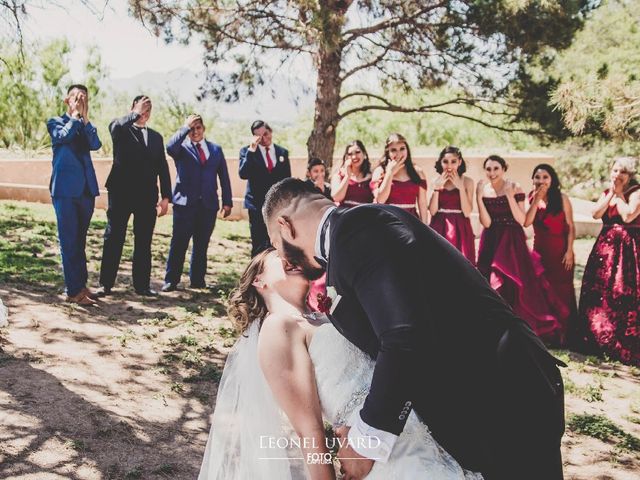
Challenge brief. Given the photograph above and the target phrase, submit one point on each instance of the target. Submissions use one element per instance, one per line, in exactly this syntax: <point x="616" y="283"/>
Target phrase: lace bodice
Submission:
<point x="343" y="376"/>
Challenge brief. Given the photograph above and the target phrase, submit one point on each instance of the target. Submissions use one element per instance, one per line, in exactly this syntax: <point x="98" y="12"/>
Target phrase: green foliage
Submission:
<point x="600" y="427"/>
<point x="32" y="89"/>
<point x="598" y="75"/>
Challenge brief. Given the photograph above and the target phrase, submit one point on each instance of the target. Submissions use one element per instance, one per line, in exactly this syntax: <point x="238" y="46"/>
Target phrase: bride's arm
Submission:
<point x="287" y="367"/>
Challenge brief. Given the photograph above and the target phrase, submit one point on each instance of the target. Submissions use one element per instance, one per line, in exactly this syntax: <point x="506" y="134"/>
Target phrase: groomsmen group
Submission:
<point x="139" y="165"/>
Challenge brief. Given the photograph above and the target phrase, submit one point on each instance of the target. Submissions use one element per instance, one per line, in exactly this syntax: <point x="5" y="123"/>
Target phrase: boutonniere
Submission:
<point x="281" y="159"/>
<point x="328" y="302"/>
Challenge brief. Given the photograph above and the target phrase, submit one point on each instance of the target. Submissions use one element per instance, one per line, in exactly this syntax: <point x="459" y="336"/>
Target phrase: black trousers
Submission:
<point x="507" y="424"/>
<point x="121" y="207"/>
<point x="259" y="236"/>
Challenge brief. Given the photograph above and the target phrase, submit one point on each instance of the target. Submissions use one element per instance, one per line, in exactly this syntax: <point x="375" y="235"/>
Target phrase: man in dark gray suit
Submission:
<point x="139" y="161"/>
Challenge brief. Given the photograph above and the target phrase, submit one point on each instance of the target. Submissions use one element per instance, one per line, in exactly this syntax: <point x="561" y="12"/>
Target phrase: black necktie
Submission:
<point x="137" y="131"/>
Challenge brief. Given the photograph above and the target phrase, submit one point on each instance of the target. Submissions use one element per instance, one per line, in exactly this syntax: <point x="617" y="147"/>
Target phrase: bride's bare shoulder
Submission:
<point x="278" y="328"/>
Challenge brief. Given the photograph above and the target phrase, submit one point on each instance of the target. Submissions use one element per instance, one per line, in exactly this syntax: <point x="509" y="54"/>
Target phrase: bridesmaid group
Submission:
<point x="537" y="282"/>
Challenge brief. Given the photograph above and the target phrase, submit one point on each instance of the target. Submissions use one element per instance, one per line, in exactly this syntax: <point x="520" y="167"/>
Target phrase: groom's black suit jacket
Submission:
<point x="444" y="341"/>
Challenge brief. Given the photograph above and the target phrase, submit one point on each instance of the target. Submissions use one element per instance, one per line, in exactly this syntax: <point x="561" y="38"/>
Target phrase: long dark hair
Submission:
<point x="554" y="195"/>
<point x="365" y="167"/>
<point x="456" y="151"/>
<point x="411" y="169"/>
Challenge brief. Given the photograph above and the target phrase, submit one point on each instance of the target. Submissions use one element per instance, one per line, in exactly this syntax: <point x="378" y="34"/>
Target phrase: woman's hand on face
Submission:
<point x="456" y="180"/>
<point x="540" y="192"/>
<point x="440" y="181"/>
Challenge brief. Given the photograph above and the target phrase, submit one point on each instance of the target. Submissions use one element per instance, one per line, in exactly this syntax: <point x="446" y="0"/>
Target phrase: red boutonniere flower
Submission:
<point x="324" y="303"/>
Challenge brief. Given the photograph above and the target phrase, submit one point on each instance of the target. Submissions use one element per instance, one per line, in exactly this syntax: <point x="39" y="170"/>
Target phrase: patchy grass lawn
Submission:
<point x="125" y="391"/>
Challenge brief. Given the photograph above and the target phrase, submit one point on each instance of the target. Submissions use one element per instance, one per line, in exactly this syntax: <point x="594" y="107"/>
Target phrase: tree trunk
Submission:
<point x="322" y="140"/>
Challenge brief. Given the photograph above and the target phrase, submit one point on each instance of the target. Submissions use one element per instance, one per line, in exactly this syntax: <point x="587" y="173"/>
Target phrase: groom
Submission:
<point x="445" y="344"/>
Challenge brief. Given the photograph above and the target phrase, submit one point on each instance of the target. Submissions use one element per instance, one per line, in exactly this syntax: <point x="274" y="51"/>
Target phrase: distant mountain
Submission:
<point x="281" y="100"/>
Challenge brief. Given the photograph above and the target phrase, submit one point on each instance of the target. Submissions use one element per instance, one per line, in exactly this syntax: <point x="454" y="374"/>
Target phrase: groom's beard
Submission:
<point x="296" y="257"/>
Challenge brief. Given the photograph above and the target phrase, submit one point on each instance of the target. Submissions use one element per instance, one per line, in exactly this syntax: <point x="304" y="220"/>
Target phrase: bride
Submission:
<point x="289" y="371"/>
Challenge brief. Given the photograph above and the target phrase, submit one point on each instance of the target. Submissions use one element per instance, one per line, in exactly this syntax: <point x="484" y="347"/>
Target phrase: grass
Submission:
<point x="208" y="372"/>
<point x="600" y="427"/>
<point x="29" y="250"/>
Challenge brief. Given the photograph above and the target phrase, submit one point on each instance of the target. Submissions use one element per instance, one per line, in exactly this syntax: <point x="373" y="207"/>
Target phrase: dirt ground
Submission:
<point x="124" y="391"/>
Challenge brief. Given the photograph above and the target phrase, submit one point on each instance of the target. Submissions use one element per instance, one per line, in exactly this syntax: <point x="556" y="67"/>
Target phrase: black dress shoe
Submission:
<point x="169" y="287"/>
<point x="201" y="285"/>
<point x="147" y="292"/>
<point x="103" y="292"/>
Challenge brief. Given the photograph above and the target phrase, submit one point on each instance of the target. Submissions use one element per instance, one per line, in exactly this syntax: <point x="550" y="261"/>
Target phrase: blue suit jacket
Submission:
<point x="254" y="169"/>
<point x="72" y="142"/>
<point x="195" y="181"/>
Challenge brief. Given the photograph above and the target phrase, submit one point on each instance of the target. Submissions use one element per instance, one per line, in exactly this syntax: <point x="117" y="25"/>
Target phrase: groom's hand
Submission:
<point x="353" y="465"/>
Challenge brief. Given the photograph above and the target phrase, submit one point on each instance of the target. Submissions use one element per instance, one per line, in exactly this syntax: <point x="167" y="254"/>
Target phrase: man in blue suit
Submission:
<point x="262" y="164"/>
<point x="73" y="188"/>
<point x="199" y="165"/>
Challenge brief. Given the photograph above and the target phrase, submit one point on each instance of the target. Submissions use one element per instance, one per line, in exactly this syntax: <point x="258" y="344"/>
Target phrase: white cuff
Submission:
<point x="369" y="441"/>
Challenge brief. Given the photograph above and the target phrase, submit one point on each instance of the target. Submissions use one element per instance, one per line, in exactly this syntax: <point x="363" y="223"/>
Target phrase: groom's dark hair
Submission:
<point x="284" y="193"/>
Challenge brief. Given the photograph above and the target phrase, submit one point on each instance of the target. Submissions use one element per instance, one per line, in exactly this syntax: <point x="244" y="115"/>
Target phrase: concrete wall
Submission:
<point x="28" y="179"/>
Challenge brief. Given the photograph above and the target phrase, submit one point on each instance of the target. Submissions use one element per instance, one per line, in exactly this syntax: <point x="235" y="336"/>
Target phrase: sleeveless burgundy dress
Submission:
<point x="609" y="312"/>
<point x="450" y="222"/>
<point x="358" y="193"/>
<point x="517" y="273"/>
<point x="403" y="194"/>
<point x="550" y="240"/>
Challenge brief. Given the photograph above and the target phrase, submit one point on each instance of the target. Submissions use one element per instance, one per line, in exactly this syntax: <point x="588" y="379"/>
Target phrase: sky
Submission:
<point x="117" y="35"/>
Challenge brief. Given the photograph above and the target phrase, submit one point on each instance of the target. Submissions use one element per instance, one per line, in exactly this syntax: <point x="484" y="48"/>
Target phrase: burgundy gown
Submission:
<point x="610" y="294"/>
<point x="403" y="194"/>
<point x="550" y="240"/>
<point x="517" y="273"/>
<point x="358" y="193"/>
<point x="450" y="222"/>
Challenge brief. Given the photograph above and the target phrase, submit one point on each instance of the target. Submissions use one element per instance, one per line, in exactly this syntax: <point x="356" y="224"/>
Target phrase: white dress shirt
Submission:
<point x="361" y="435"/>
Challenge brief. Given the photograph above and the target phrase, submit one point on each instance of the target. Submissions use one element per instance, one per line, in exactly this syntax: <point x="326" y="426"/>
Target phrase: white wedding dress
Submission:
<point x="246" y="416"/>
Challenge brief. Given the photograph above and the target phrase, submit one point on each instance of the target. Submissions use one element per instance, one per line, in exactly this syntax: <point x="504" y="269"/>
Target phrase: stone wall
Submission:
<point x="28" y="179"/>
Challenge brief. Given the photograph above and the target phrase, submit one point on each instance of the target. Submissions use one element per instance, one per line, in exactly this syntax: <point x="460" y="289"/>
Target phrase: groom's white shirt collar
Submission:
<point x="327" y="237"/>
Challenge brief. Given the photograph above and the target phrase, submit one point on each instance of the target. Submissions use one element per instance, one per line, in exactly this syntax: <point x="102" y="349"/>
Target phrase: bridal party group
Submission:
<point x="537" y="282"/>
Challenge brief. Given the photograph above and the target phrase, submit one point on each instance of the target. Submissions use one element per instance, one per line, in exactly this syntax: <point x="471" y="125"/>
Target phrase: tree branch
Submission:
<point x="436" y="108"/>
<point x="354" y="33"/>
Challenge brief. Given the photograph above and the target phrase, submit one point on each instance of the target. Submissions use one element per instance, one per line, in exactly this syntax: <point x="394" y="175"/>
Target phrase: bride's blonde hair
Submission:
<point x="246" y="305"/>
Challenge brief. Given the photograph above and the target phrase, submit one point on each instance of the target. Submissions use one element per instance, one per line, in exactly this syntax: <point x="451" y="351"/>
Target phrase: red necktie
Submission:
<point x="269" y="161"/>
<point x="203" y="158"/>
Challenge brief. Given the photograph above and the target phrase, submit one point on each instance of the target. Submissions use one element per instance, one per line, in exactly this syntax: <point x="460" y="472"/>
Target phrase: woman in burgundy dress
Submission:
<point x="452" y="202"/>
<point x="610" y="297"/>
<point x="504" y="258"/>
<point x="551" y="215"/>
<point x="349" y="187"/>
<point x="397" y="181"/>
<point x="350" y="180"/>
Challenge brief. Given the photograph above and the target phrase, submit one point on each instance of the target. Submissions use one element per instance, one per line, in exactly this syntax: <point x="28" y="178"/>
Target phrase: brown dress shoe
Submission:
<point x="82" y="299"/>
<point x="90" y="294"/>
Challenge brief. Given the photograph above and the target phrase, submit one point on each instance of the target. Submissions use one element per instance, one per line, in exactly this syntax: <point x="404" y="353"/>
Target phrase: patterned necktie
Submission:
<point x="269" y="161"/>
<point x="203" y="158"/>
